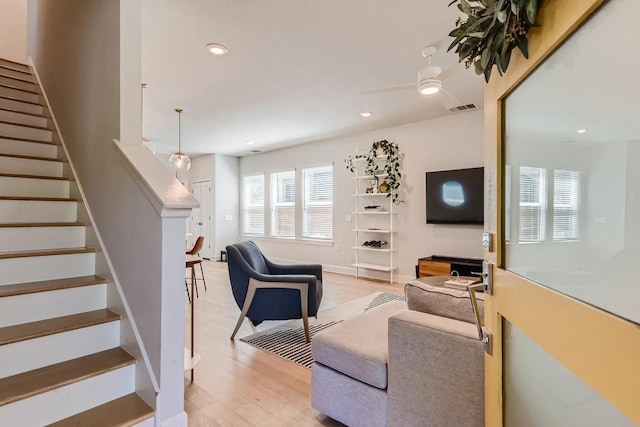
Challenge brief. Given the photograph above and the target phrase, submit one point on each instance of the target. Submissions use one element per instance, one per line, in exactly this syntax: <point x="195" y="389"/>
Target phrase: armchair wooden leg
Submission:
<point x="251" y="291"/>
<point x="304" y="292"/>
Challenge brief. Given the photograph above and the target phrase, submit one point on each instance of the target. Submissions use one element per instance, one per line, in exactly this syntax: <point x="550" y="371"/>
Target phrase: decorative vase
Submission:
<point x="384" y="187"/>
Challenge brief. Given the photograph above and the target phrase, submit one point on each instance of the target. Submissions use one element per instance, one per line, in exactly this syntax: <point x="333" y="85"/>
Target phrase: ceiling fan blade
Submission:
<point x="454" y="69"/>
<point x="390" y="89"/>
<point x="447" y="100"/>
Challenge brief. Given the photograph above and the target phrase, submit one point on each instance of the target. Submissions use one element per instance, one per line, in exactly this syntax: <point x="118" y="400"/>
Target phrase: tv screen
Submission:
<point x="455" y="196"/>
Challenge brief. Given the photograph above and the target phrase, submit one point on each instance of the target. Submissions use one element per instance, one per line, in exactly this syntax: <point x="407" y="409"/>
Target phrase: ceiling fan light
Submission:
<point x="429" y="87"/>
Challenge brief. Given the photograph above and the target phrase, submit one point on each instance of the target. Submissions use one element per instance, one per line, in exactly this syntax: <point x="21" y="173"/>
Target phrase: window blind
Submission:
<point x="566" y="205"/>
<point x="283" y="204"/>
<point x="533" y="204"/>
<point x="253" y="205"/>
<point x="317" y="202"/>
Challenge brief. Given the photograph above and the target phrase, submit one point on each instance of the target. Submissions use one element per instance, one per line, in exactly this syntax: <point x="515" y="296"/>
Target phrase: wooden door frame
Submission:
<point x="598" y="347"/>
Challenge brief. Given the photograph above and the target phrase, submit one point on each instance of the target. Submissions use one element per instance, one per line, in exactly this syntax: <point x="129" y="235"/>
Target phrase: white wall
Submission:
<point x="75" y="47"/>
<point x="452" y="142"/>
<point x="227" y="202"/>
<point x="223" y="172"/>
<point x="13" y="30"/>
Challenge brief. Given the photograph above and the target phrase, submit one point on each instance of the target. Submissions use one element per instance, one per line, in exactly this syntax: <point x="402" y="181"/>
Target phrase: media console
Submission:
<point x="437" y="265"/>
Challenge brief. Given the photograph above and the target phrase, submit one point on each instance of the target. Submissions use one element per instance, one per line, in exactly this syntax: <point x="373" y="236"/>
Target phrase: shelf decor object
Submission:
<point x="383" y="161"/>
<point x="493" y="28"/>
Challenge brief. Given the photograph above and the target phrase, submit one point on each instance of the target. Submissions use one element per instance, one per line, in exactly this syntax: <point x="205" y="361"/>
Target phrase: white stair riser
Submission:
<point x="34" y="238"/>
<point x="13" y="211"/>
<point x="11" y="73"/>
<point x="30" y="166"/>
<point x="149" y="422"/>
<point x="24" y="148"/>
<point x="22" y="67"/>
<point x="63" y="402"/>
<point x="25" y="119"/>
<point x="19" y="94"/>
<point x="45" y="305"/>
<point x="35" y="269"/>
<point x="25" y="132"/>
<point x="28" y="187"/>
<point x="21" y="106"/>
<point x="28" y="355"/>
<point x="17" y="83"/>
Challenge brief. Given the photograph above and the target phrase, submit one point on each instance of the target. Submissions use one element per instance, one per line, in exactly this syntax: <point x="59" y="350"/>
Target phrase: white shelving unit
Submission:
<point x="372" y="225"/>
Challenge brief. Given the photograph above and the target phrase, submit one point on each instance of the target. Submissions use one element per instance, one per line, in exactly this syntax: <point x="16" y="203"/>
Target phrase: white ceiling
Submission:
<point x="294" y="71"/>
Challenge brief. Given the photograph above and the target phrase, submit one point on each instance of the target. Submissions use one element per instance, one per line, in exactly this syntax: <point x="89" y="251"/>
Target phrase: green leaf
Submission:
<point x="487" y="73"/>
<point x="532" y="10"/>
<point x="466" y="7"/>
<point x="484" y="59"/>
<point x="523" y="45"/>
<point x="515" y="8"/>
<point x="502" y="16"/>
<point x="503" y="61"/>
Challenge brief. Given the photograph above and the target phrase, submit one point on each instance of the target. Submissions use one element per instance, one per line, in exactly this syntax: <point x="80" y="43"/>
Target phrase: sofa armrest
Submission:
<point x="436" y="372"/>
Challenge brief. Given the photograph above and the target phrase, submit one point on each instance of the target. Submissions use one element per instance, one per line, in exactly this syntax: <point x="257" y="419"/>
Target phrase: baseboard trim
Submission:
<point x="348" y="271"/>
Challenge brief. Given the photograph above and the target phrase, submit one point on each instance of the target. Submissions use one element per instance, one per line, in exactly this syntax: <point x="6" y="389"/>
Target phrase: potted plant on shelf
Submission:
<point x="375" y="167"/>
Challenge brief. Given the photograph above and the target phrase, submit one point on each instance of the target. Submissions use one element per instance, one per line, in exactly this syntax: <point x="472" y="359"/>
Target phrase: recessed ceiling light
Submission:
<point x="251" y="142"/>
<point x="581" y="131"/>
<point x="217" y="49"/>
<point x="366" y="114"/>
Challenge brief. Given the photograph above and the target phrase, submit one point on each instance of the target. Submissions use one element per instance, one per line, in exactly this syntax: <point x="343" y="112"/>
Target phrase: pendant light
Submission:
<point x="179" y="161"/>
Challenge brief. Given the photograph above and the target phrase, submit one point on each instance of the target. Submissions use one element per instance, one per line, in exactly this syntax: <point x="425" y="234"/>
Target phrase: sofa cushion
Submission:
<point x="357" y="347"/>
<point x="442" y="301"/>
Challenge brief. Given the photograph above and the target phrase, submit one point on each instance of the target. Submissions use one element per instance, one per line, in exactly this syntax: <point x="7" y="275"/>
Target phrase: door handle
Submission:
<point x="483" y="333"/>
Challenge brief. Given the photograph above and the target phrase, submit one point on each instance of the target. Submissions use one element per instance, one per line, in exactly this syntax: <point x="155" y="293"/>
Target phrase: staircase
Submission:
<point x="60" y="358"/>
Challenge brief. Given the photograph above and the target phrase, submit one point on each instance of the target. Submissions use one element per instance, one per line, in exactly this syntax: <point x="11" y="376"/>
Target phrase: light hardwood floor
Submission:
<point x="238" y="385"/>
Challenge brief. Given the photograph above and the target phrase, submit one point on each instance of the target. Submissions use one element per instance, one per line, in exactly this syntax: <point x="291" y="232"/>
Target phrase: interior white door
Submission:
<point x="201" y="224"/>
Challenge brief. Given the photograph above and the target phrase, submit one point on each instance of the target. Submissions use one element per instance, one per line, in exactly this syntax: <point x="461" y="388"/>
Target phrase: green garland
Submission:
<point x="493" y="28"/>
<point x="373" y="168"/>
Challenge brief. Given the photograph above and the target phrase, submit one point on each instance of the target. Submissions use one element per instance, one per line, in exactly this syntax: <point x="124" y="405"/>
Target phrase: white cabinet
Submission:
<point x="374" y="229"/>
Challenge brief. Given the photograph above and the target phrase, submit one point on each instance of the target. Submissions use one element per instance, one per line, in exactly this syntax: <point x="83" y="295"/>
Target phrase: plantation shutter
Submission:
<point x="283" y="204"/>
<point x="317" y="202"/>
<point x="566" y="205"/>
<point x="533" y="204"/>
<point x="253" y="205"/>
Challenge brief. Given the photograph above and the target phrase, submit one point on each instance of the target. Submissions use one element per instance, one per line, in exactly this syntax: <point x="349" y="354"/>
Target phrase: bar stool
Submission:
<point x="191" y="265"/>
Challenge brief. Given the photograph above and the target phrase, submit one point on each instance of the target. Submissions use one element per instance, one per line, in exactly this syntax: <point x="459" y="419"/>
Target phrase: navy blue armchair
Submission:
<point x="267" y="291"/>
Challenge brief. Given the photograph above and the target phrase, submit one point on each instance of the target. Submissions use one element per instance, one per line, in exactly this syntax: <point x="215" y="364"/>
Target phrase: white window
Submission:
<point x="566" y="205"/>
<point x="253" y="205"/>
<point x="533" y="204"/>
<point x="317" y="203"/>
<point x="283" y="204"/>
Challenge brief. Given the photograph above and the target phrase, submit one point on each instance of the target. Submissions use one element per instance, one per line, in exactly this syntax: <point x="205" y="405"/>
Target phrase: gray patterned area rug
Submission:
<point x="287" y="340"/>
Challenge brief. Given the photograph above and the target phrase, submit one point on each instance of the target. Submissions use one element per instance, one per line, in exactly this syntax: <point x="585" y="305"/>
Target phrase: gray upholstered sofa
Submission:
<point x="418" y="363"/>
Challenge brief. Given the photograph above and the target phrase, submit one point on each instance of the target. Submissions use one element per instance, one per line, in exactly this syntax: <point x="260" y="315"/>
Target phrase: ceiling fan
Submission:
<point x="430" y="80"/>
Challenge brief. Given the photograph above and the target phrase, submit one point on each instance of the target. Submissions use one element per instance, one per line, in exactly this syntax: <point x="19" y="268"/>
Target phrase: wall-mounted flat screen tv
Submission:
<point x="455" y="196"/>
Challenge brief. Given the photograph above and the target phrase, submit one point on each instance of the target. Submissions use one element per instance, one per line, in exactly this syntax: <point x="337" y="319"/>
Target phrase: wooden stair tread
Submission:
<point x="123" y="412"/>
<point x="41" y="328"/>
<point x="31" y="383"/>
<point x="41" y="224"/>
<point x="39" y="199"/>
<point x="19" y="89"/>
<point x="4" y="122"/>
<point x="45" y="177"/>
<point x="15" y="62"/>
<point x="16" y="78"/>
<point x="11" y="110"/>
<point x="20" y="156"/>
<point x="7" y="67"/>
<point x="12" y="98"/>
<point x="36" y="141"/>
<point x="45" y="252"/>
<point x="50" y="285"/>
